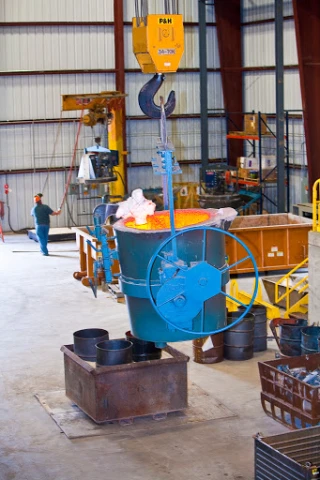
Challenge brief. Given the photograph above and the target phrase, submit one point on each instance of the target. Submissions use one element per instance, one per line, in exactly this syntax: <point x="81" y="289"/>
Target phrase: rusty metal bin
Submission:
<point x="288" y="456"/>
<point x="277" y="241"/>
<point x="285" y="398"/>
<point x="122" y="392"/>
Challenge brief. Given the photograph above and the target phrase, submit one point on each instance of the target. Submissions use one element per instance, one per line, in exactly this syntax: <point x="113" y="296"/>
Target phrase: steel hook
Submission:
<point x="147" y="94"/>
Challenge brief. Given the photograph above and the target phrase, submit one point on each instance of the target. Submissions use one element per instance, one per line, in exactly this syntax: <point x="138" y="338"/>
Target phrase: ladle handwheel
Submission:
<point x="189" y="287"/>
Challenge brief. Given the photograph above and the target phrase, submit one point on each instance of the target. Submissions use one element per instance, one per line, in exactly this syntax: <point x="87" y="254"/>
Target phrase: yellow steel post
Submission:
<point x="316" y="207"/>
<point x="115" y="140"/>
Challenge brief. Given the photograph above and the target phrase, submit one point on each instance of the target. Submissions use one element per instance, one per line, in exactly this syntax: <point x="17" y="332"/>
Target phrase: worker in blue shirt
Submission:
<point x="41" y="214"/>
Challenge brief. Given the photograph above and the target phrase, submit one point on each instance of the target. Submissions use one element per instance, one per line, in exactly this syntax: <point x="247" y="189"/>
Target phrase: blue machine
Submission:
<point x="107" y="257"/>
<point x="174" y="279"/>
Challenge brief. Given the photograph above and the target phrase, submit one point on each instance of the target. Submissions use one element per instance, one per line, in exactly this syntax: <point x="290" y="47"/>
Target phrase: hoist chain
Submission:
<point x="141" y="9"/>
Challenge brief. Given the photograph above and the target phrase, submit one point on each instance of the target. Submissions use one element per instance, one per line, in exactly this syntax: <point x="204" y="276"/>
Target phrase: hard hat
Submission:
<point x="37" y="197"/>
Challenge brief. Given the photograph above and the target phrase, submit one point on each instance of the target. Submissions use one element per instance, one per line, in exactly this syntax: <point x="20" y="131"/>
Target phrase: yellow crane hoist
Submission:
<point x="105" y="108"/>
<point x="158" y="44"/>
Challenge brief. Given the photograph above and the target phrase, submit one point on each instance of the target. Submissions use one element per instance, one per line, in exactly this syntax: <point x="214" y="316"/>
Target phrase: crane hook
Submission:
<point x="146" y="98"/>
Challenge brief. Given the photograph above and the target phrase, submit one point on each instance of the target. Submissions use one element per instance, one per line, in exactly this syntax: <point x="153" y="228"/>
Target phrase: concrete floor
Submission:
<point x="41" y="306"/>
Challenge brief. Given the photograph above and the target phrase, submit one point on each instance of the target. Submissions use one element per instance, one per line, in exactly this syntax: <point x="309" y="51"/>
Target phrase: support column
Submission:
<point x="117" y="129"/>
<point x="203" y="87"/>
<point x="116" y="142"/>
<point x="279" y="105"/>
<point x="228" y="20"/>
<point x="307" y="23"/>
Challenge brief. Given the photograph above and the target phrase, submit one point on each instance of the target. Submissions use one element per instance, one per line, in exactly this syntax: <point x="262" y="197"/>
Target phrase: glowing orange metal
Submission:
<point x="161" y="220"/>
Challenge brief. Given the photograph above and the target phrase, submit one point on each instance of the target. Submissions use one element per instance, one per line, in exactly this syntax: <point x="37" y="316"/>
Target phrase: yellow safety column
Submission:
<point x="115" y="142"/>
<point x="316" y="206"/>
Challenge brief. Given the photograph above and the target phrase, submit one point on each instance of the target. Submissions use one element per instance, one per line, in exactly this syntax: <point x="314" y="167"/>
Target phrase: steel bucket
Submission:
<point x="114" y="352"/>
<point x="84" y="342"/>
<point x="135" y="250"/>
<point x="238" y="340"/>
<point x="289" y="342"/>
<point x="309" y="340"/>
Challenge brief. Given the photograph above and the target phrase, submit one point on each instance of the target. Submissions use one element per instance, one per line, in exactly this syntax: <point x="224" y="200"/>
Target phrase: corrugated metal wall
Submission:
<point x="259" y="86"/>
<point x="26" y="49"/>
<point x="56" y="48"/>
<point x="39" y="96"/>
<point x="259" y="51"/>
<point x="56" y="10"/>
<point x="257" y="10"/>
<point x="32" y="97"/>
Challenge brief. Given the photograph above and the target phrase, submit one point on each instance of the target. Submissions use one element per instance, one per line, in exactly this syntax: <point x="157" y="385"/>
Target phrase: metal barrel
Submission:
<point x="84" y="342"/>
<point x="208" y="349"/>
<point x="143" y="350"/>
<point x="290" y="336"/>
<point x="238" y="340"/>
<point x="114" y="352"/>
<point x="260" y="327"/>
<point x="309" y="340"/>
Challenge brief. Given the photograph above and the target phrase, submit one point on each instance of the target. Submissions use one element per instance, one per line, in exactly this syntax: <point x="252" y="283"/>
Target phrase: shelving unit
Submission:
<point x="252" y="138"/>
<point x="244" y="136"/>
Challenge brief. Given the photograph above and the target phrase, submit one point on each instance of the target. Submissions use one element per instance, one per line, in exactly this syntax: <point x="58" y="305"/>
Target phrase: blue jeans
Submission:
<point x="42" y="232"/>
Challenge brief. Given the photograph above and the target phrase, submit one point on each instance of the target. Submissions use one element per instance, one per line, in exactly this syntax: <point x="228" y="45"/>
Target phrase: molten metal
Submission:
<point x="161" y="220"/>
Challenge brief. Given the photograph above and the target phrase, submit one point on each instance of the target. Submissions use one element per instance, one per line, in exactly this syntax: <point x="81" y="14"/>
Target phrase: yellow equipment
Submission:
<point x="300" y="285"/>
<point x="100" y="105"/>
<point x="245" y="297"/>
<point x="316" y="206"/>
<point x="158" y="42"/>
<point x="106" y="108"/>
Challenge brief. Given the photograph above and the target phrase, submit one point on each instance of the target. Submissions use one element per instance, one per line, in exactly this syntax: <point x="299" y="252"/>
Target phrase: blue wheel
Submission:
<point x="178" y="289"/>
